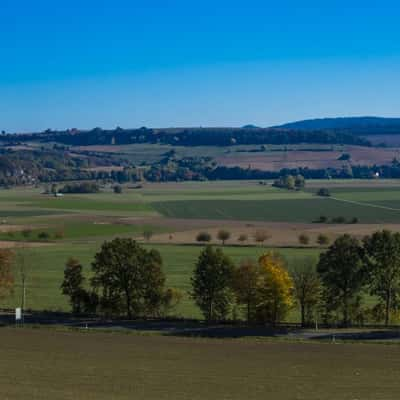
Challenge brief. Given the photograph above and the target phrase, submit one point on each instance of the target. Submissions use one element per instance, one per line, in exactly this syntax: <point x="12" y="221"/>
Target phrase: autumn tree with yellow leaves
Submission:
<point x="6" y="275"/>
<point x="264" y="288"/>
<point x="274" y="289"/>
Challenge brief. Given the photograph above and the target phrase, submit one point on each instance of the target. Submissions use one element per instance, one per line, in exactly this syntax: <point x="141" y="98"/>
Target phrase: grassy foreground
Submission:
<point x="49" y="364"/>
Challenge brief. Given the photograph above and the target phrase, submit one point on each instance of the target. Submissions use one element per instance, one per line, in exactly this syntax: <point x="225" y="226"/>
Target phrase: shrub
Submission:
<point x="339" y="220"/>
<point x="260" y="236"/>
<point x="203" y="237"/>
<point x="117" y="189"/>
<point x="304" y="239"/>
<point x="44" y="236"/>
<point x="26" y="233"/>
<point x="324" y="192"/>
<point x="344" y="157"/>
<point x="59" y="235"/>
<point x="322" y="239"/>
<point x="84" y="187"/>
<point x="242" y="237"/>
<point x="322" y="219"/>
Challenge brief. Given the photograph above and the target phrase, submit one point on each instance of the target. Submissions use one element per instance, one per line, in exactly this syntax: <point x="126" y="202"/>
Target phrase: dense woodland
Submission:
<point x="353" y="125"/>
<point x="188" y="136"/>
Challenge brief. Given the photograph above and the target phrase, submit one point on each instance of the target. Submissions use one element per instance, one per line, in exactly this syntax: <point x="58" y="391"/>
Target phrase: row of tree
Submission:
<point x="259" y="236"/>
<point x="332" y="290"/>
<point x="128" y="279"/>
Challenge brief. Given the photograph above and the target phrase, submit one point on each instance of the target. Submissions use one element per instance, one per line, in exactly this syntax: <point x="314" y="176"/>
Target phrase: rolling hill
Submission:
<point x="354" y="125"/>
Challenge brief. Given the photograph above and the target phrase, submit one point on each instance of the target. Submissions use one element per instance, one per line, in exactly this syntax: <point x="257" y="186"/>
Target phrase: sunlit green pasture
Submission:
<point x="46" y="265"/>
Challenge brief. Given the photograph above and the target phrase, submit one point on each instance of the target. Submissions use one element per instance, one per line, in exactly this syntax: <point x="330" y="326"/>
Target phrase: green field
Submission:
<point x="241" y="200"/>
<point x="87" y="220"/>
<point x="284" y="210"/>
<point x="62" y="365"/>
<point x="47" y="266"/>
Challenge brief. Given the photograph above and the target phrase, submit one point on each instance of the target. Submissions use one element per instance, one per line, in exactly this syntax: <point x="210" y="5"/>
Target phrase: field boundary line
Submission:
<point x="365" y="204"/>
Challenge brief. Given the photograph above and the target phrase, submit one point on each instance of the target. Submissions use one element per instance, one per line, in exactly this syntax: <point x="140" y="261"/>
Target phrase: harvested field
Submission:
<point x="48" y="364"/>
<point x="388" y="140"/>
<point x="281" y="234"/>
<point x="10" y="244"/>
<point x="275" y="161"/>
<point x="106" y="168"/>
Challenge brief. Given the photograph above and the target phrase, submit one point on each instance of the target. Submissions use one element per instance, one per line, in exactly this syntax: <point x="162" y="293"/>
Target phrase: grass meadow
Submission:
<point x="47" y="266"/>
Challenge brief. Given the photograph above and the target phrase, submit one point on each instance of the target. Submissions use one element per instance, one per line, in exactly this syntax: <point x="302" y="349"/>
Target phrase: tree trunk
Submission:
<point x="128" y="304"/>
<point x="210" y="308"/>
<point x="387" y="306"/>
<point x="303" y="319"/>
<point x="345" y="311"/>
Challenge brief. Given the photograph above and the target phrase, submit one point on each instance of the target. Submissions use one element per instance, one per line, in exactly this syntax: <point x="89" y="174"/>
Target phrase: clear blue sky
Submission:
<point x="88" y="63"/>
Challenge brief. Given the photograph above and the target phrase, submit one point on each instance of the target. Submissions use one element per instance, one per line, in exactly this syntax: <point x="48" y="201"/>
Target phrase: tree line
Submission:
<point x="128" y="280"/>
<point x="188" y="136"/>
<point x="330" y="289"/>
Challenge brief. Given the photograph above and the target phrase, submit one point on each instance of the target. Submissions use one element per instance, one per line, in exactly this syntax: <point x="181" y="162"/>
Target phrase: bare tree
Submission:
<point x="23" y="264"/>
<point x="307" y="287"/>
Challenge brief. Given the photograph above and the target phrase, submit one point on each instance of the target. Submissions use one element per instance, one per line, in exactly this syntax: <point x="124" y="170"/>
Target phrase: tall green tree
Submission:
<point x="307" y="287"/>
<point x="383" y="250"/>
<point x="245" y="280"/>
<point x="72" y="285"/>
<point x="341" y="269"/>
<point x="212" y="283"/>
<point x="129" y="277"/>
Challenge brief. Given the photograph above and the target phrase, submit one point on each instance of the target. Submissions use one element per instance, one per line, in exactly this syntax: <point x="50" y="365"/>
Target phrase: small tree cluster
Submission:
<point x="290" y="182"/>
<point x="127" y="280"/>
<point x="350" y="267"/>
<point x="263" y="288"/>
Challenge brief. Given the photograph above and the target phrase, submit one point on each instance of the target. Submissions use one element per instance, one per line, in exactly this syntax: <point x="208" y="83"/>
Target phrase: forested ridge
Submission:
<point x="187" y="136"/>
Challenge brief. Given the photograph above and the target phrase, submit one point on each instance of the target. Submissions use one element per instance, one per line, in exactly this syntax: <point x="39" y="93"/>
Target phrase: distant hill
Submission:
<point x="250" y="126"/>
<point x="354" y="125"/>
<point x="188" y="137"/>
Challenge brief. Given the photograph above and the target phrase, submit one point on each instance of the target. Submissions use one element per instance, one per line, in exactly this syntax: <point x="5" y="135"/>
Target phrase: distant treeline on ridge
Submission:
<point x="189" y="136"/>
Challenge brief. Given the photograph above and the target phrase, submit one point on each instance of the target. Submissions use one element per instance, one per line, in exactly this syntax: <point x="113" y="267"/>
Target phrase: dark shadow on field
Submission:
<point x="189" y="328"/>
<point x="195" y="328"/>
<point x="370" y="335"/>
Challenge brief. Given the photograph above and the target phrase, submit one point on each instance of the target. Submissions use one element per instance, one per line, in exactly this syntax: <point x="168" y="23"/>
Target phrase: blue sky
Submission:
<point x="166" y="63"/>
